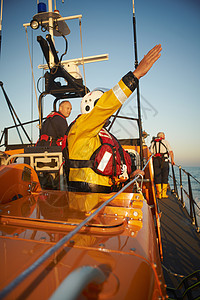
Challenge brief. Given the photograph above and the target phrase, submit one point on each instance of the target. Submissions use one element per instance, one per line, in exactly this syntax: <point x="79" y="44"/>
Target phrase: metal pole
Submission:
<point x="51" y="58"/>
<point x="14" y="115"/>
<point x="192" y="208"/>
<point x="11" y="111"/>
<point x="181" y="187"/>
<point x="174" y="181"/>
<point x="1" y="22"/>
<point x="138" y="91"/>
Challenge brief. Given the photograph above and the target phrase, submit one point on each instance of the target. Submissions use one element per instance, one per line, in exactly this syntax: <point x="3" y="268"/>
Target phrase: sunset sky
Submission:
<point x="169" y="92"/>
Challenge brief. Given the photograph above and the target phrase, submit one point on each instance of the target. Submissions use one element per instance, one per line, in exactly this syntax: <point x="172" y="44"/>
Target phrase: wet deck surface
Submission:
<point x="181" y="242"/>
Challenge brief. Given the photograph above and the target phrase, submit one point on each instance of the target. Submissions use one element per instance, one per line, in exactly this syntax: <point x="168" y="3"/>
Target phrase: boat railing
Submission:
<point x="4" y="139"/>
<point x="181" y="189"/>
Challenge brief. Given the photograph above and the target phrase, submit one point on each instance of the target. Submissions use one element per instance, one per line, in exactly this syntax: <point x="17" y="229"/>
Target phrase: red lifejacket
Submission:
<point x="158" y="154"/>
<point x="110" y="159"/>
<point x="55" y="113"/>
<point x="50" y="139"/>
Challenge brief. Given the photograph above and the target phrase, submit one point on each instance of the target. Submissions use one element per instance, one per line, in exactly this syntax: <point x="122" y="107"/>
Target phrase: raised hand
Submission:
<point x="147" y="62"/>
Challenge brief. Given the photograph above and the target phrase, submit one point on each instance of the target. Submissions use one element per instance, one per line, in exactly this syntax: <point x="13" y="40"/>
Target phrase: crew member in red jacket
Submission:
<point x="55" y="126"/>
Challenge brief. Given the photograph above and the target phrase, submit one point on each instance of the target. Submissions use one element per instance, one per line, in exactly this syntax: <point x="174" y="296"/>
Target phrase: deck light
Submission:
<point x="34" y="24"/>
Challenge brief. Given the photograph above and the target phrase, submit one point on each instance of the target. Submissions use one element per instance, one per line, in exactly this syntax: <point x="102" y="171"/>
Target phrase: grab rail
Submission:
<point x="5" y="133"/>
<point x="76" y="281"/>
<point x="189" y="193"/>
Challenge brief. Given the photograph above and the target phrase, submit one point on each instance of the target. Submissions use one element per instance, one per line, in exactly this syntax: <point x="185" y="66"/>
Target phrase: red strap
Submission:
<point x="54" y="113"/>
<point x="158" y="139"/>
<point x="59" y="141"/>
<point x="64" y="142"/>
<point x="44" y="137"/>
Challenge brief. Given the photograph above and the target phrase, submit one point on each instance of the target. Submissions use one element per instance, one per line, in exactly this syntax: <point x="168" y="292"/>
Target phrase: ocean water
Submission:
<point x="195" y="185"/>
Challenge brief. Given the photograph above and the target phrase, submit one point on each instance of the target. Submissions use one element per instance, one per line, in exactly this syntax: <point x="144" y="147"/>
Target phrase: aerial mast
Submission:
<point x="1" y="22"/>
<point x="51" y="58"/>
<point x="138" y="91"/>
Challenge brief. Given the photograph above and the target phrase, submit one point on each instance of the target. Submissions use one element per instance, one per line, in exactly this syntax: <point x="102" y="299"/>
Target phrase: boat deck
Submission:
<point x="180" y="240"/>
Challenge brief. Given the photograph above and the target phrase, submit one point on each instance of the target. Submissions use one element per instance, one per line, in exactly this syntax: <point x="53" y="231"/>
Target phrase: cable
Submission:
<point x="172" y="273"/>
<point x="82" y="54"/>
<point x="40" y="121"/>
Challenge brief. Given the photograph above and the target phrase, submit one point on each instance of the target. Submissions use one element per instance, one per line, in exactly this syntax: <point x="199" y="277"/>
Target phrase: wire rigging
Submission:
<point x="80" y="26"/>
<point x="40" y="121"/>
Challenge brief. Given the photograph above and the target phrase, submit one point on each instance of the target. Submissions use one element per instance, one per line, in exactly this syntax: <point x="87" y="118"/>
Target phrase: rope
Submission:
<point x="172" y="273"/>
<point x="82" y="55"/>
<point x="190" y="175"/>
<point x="65" y="239"/>
<point x="188" y="287"/>
<point x="40" y="121"/>
<point x="187" y="173"/>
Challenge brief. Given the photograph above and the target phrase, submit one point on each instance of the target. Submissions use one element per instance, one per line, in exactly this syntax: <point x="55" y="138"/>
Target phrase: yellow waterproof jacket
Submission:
<point x="83" y="137"/>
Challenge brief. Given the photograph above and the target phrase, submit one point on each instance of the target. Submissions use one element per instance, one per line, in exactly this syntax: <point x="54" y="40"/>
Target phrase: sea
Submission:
<point x="195" y="186"/>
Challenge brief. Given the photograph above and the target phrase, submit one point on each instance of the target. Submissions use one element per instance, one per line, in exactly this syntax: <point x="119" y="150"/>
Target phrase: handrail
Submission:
<point x="5" y="131"/>
<point x="76" y="281"/>
<point x="22" y="276"/>
<point x="189" y="193"/>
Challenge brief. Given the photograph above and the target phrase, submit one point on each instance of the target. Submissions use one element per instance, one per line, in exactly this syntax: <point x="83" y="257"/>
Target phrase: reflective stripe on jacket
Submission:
<point x="83" y="137"/>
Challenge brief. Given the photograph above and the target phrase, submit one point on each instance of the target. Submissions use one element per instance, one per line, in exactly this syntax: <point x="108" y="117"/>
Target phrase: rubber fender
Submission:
<point x="17" y="181"/>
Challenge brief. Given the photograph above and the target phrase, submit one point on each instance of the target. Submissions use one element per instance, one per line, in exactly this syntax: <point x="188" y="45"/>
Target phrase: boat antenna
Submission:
<point x="81" y="37"/>
<point x="1" y="22"/>
<point x="138" y="91"/>
<point x="29" y="51"/>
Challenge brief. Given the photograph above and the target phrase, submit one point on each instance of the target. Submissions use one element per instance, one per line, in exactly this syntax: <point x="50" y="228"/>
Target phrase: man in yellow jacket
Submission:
<point x="83" y="137"/>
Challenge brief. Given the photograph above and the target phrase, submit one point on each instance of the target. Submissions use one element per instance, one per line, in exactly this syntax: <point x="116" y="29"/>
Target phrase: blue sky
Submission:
<point x="169" y="92"/>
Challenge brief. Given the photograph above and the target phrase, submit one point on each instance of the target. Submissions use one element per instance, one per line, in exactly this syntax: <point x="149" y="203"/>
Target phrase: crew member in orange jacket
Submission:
<point x="83" y="137"/>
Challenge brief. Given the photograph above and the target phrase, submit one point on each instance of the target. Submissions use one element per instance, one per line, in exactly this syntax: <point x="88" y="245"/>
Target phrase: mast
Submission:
<point x="50" y="7"/>
<point x="1" y="22"/>
<point x="138" y="91"/>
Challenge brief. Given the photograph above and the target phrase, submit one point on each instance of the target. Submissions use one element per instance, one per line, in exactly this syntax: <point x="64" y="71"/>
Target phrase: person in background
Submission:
<point x="87" y="133"/>
<point x="161" y="150"/>
<point x="55" y="126"/>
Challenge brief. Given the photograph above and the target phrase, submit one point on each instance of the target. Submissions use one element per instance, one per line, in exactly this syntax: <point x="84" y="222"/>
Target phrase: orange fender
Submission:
<point x="17" y="181"/>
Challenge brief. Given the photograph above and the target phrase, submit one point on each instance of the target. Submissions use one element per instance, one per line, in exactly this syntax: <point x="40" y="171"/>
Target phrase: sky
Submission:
<point x="169" y="93"/>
